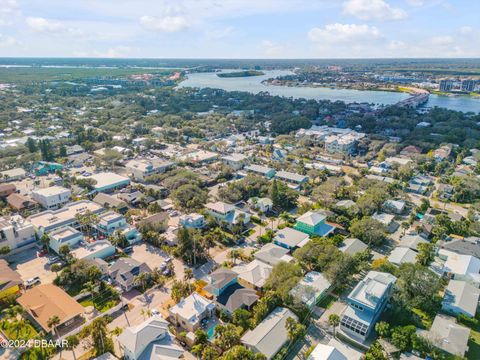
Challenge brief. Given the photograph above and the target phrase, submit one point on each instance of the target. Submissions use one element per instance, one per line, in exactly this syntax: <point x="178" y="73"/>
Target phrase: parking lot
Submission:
<point x="28" y="265"/>
<point x="154" y="257"/>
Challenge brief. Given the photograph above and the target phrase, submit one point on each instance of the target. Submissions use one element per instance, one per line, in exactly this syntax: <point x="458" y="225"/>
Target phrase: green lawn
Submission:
<point x="474" y="343"/>
<point x="25" y="333"/>
<point x="101" y="303"/>
<point x="327" y="301"/>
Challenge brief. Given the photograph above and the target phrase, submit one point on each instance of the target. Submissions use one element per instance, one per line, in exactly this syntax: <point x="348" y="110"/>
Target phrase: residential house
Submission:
<point x="99" y="249"/>
<point x="461" y="267"/>
<point x="190" y="311"/>
<point x="366" y="303"/>
<point x="261" y="170"/>
<point x="442" y="153"/>
<point x="7" y="189"/>
<point x="352" y="246"/>
<point x="313" y="223"/>
<point x="44" y="301"/>
<point x="253" y="275"/>
<point x="293" y="180"/>
<point x="461" y="298"/>
<point x="412" y="241"/>
<point x="394" y="206"/>
<point x="227" y="213"/>
<point x="21" y="202"/>
<point x="142" y="168"/>
<point x="108" y="181"/>
<point x="192" y="221"/>
<point x="447" y="335"/>
<point x="235" y="161"/>
<point x="401" y="255"/>
<point x="111" y="202"/>
<point x="228" y="293"/>
<point x="290" y="239"/>
<point x="15" y="232"/>
<point x="125" y="271"/>
<point x="13" y="174"/>
<point x="270" y="335"/>
<point x="10" y="280"/>
<point x="151" y="340"/>
<point x="272" y="254"/>
<point x="262" y="205"/>
<point x="44" y="167"/>
<point x="111" y="222"/>
<point x="50" y="220"/>
<point x="64" y="236"/>
<point x="311" y="289"/>
<point x="52" y="197"/>
<point x="387" y="220"/>
<point x="463" y="246"/>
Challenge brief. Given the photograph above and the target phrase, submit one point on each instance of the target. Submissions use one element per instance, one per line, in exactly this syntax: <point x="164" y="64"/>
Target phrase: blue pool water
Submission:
<point x="211" y="332"/>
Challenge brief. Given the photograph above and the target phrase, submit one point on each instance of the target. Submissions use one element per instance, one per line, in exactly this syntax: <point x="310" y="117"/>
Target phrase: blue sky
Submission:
<point x="240" y="28"/>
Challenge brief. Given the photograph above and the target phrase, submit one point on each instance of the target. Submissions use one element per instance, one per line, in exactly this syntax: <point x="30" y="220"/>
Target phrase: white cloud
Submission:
<point x="443" y="40"/>
<point x="6" y="41"/>
<point x="164" y="24"/>
<point x="397" y="45"/>
<point x="335" y="33"/>
<point x="272" y="49"/>
<point x="416" y="2"/>
<point x="466" y="30"/>
<point x="48" y="26"/>
<point x="8" y="10"/>
<point x="373" y="10"/>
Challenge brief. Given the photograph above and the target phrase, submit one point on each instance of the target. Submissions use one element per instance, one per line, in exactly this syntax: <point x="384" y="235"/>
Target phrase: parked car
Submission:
<point x="155" y="312"/>
<point x="31" y="282"/>
<point x="128" y="250"/>
<point x="53" y="260"/>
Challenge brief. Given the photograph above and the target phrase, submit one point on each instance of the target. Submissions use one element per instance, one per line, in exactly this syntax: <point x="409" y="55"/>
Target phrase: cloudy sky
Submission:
<point x="240" y="28"/>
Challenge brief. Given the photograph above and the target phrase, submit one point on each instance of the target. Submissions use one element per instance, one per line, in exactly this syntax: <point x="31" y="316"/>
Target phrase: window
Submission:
<point x="354" y="325"/>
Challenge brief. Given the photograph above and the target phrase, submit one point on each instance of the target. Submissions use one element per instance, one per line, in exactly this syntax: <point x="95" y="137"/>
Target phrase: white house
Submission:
<point x="193" y="221"/>
<point x="270" y="335"/>
<point x="235" y="161"/>
<point x="141" y="168"/>
<point x="461" y="298"/>
<point x="189" y="312"/>
<point x="149" y="340"/>
<point x="15" y="232"/>
<point x="52" y="197"/>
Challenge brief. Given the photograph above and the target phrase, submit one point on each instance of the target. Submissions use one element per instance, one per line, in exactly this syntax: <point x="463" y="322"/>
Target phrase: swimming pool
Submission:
<point x="211" y="332"/>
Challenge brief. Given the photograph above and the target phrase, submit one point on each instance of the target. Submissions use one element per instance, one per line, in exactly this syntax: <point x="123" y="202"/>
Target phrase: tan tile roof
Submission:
<point x="45" y="301"/>
<point x="8" y="276"/>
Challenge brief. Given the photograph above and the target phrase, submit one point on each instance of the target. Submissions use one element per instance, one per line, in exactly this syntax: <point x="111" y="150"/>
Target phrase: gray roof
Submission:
<point x="290" y="237"/>
<point x="463" y="247"/>
<point x="446" y="334"/>
<point x="151" y="336"/>
<point x="462" y="295"/>
<point x="412" y="241"/>
<point x="127" y="269"/>
<point x="270" y="335"/>
<point x="272" y="254"/>
<point x="219" y="278"/>
<point x="352" y="246"/>
<point x="109" y="200"/>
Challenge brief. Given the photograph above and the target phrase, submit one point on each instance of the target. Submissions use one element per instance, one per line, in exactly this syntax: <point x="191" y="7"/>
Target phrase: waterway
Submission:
<point x="253" y="84"/>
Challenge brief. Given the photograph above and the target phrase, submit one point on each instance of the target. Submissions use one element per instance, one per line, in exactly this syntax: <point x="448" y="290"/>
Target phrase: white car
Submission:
<point x="155" y="312"/>
<point x="32" y="281"/>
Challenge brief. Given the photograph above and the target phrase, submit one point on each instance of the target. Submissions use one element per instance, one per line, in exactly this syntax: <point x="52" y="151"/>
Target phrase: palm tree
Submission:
<point x="17" y="325"/>
<point x="146" y="313"/>
<point x="45" y="240"/>
<point x="286" y="217"/>
<point x="334" y="321"/>
<point x="72" y="342"/>
<point x="188" y="274"/>
<point x="52" y="323"/>
<point x="141" y="280"/>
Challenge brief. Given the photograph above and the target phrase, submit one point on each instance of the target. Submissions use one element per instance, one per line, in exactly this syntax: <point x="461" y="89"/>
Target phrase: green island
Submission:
<point x="246" y="73"/>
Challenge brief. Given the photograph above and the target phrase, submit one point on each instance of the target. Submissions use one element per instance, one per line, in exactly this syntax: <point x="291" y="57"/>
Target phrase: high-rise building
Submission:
<point x="446" y="85"/>
<point x="468" y="85"/>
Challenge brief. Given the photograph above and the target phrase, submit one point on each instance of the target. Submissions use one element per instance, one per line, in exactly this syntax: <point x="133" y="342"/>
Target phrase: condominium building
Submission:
<point x="52" y="197"/>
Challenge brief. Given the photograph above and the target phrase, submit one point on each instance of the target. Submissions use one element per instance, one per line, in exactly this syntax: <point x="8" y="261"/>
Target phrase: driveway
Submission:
<point x="28" y="265"/>
<point x="154" y="257"/>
